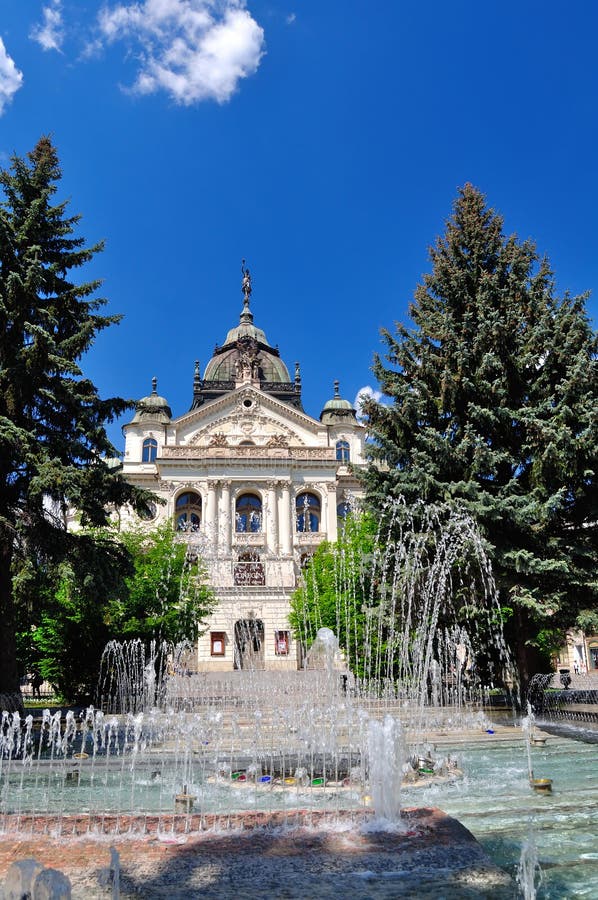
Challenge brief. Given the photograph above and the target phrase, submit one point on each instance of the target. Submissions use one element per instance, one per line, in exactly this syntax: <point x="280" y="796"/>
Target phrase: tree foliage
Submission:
<point x="164" y="597"/>
<point x="335" y="590"/>
<point x="407" y="592"/>
<point x="53" y="444"/>
<point x="493" y="398"/>
<point x="167" y="596"/>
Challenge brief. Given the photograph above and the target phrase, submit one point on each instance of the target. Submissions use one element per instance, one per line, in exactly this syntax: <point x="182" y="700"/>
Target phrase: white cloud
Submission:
<point x="292" y="17"/>
<point x="10" y="78"/>
<point x="50" y="33"/>
<point x="366" y="393"/>
<point x="192" y="49"/>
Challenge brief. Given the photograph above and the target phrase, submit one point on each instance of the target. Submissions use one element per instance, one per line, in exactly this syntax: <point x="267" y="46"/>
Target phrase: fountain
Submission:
<point x="163" y="742"/>
<point x="362" y="732"/>
<point x="554" y="701"/>
<point x="529" y="874"/>
<point x="528" y="725"/>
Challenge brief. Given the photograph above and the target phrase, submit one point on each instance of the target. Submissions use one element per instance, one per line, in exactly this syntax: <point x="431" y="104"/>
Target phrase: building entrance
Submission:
<point x="249" y="644"/>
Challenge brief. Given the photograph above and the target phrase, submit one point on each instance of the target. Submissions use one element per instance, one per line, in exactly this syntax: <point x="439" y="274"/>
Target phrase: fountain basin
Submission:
<point x="311" y="858"/>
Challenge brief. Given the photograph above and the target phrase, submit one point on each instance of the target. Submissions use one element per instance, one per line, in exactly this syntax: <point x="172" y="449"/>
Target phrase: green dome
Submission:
<point x="336" y="409"/>
<point x="223" y="367"/>
<point x="153" y="408"/>
<point x="246" y="329"/>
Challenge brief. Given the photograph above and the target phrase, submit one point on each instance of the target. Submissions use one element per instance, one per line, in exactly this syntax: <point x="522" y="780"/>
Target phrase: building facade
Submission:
<point x="253" y="483"/>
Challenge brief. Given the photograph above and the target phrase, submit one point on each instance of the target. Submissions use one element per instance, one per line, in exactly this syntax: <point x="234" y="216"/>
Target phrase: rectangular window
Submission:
<point x="282" y="640"/>
<point x="218" y="642"/>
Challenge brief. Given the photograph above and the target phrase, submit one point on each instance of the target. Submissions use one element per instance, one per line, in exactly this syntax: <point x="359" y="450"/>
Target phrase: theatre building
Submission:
<point x="252" y="482"/>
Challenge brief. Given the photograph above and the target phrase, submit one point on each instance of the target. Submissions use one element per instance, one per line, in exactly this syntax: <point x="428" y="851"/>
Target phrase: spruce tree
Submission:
<point x="494" y="406"/>
<point x="53" y="444"/>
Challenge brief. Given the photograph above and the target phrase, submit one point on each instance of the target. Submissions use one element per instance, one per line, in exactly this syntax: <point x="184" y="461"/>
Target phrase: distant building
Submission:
<point x="251" y="480"/>
<point x="579" y="653"/>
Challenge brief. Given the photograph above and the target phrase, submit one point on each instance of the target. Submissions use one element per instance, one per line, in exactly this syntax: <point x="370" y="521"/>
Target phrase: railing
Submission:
<point x="309" y="537"/>
<point x="38" y="691"/>
<point x="280" y="387"/>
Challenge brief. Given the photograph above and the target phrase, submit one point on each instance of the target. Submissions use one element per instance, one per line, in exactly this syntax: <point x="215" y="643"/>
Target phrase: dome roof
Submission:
<point x="246" y="357"/>
<point x="246" y="329"/>
<point x="246" y="339"/>
<point x="336" y="409"/>
<point x="224" y="365"/>
<point x="153" y="408"/>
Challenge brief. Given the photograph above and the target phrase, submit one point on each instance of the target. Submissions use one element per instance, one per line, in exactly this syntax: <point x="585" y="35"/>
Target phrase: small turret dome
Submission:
<point x="336" y="409"/>
<point x="153" y="408"/>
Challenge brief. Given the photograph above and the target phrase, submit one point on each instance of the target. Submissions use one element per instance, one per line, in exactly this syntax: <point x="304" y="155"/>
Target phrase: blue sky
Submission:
<point x="321" y="141"/>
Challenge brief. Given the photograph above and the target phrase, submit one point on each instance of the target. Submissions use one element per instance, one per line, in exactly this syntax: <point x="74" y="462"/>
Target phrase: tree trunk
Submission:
<point x="10" y="690"/>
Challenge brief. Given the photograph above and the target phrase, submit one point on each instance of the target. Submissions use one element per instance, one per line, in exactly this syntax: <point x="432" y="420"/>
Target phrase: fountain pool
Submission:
<point x="322" y="743"/>
<point x="494" y="801"/>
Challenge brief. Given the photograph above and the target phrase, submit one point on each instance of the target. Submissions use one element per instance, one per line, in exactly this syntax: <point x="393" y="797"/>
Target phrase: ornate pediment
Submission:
<point x="231" y="430"/>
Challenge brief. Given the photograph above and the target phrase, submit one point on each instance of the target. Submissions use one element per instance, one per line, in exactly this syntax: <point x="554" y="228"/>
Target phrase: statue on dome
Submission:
<point x="246" y="284"/>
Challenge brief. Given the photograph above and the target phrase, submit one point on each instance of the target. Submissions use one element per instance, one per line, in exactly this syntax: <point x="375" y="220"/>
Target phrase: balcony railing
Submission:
<point x="309" y="537"/>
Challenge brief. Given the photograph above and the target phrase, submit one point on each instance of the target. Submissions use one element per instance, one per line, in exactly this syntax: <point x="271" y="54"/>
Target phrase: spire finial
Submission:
<point x="336" y="388"/>
<point x="154" y="385"/>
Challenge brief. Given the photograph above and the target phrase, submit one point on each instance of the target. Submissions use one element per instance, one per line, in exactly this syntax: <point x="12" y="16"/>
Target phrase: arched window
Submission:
<point x="308" y="512"/>
<point x="187" y="512"/>
<point x="150" y="450"/>
<point x="248" y="513"/>
<point x="343" y="451"/>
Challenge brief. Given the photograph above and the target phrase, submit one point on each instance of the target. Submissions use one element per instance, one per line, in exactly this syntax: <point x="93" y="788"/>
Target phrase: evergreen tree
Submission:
<point x="494" y="399"/>
<point x="53" y="443"/>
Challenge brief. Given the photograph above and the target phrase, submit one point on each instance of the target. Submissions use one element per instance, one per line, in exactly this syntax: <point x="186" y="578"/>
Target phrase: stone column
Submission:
<point x="330" y="520"/>
<point x="272" y="518"/>
<point x="285" y="518"/>
<point x="224" y="519"/>
<point x="211" y="516"/>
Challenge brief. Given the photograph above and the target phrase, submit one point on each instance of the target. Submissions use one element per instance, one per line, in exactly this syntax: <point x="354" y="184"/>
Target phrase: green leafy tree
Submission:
<point x="53" y="443"/>
<point x="165" y="597"/>
<point x="404" y="592"/>
<point x="493" y="405"/>
<point x="336" y="588"/>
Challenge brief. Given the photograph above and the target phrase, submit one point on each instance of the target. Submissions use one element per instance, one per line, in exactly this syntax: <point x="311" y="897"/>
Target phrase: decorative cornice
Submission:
<point x="327" y="454"/>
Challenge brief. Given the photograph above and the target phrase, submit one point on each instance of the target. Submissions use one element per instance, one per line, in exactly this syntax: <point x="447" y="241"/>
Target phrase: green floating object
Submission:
<point x="317" y="782"/>
<point x="236" y="775"/>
